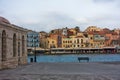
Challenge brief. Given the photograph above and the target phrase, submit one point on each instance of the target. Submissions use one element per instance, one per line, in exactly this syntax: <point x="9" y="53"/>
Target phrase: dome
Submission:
<point x="3" y="20"/>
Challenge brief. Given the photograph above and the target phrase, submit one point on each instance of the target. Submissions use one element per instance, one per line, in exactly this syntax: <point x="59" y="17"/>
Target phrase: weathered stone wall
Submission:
<point x="12" y="61"/>
<point x="0" y="46"/>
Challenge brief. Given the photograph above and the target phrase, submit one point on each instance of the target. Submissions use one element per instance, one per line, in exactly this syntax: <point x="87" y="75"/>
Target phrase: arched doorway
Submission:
<point x="18" y="52"/>
<point x="4" y="46"/>
<point x="23" y="46"/>
<point x="14" y="45"/>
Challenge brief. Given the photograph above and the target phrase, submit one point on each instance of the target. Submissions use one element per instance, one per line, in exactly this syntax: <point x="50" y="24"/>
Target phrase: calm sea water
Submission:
<point x="73" y="58"/>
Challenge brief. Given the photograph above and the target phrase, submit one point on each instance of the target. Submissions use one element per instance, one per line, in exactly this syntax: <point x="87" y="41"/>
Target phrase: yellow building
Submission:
<point x="91" y="42"/>
<point x="75" y="41"/>
<point x="51" y="43"/>
<point x="92" y="29"/>
<point x="66" y="42"/>
<point x="43" y="37"/>
<point x="99" y="40"/>
<point x="96" y="40"/>
<point x="80" y="41"/>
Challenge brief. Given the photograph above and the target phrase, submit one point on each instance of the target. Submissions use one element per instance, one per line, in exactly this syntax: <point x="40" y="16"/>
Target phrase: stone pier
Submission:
<point x="64" y="71"/>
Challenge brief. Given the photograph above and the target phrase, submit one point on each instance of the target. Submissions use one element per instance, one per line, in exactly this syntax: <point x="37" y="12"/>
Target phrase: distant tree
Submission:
<point x="77" y="29"/>
<point x="52" y="31"/>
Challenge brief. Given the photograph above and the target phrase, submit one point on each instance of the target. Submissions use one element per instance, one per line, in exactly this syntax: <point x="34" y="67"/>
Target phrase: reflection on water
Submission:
<point x="74" y="58"/>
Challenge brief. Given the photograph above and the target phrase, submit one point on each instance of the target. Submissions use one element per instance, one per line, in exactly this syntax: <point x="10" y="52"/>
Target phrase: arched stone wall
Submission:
<point x="23" y="45"/>
<point x="14" y="45"/>
<point x="4" y="46"/>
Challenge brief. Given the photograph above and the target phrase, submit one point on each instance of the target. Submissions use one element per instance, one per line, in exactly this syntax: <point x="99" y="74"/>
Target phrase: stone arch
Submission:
<point x="14" y="45"/>
<point x="23" y="45"/>
<point x="4" y="45"/>
<point x="18" y="48"/>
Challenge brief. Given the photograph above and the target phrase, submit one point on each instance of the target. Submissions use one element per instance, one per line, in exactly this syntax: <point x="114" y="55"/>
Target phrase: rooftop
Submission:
<point x="3" y="20"/>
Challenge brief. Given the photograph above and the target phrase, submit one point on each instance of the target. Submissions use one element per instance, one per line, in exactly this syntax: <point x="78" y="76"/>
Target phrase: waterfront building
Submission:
<point x="96" y="39"/>
<point x="56" y="31"/>
<point x="43" y="36"/>
<point x="117" y="31"/>
<point x="54" y="41"/>
<point x="65" y="31"/>
<point x="72" y="31"/>
<point x="90" y="37"/>
<point x="80" y="40"/>
<point x="33" y="39"/>
<point x="115" y="39"/>
<point x="51" y="43"/>
<point x="67" y="42"/>
<point x="106" y="30"/>
<point x="92" y="29"/>
<point x="75" y="41"/>
<point x="13" y="49"/>
<point x="99" y="39"/>
<point x="58" y="39"/>
<point x="112" y="39"/>
<point x="68" y="32"/>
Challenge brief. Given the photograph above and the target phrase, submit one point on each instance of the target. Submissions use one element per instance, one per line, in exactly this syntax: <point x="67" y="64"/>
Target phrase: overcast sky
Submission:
<point x="44" y="15"/>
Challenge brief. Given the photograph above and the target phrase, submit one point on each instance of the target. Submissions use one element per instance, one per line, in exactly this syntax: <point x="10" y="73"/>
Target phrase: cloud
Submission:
<point x="48" y="21"/>
<point x="54" y="20"/>
<point x="50" y="14"/>
<point x="103" y="1"/>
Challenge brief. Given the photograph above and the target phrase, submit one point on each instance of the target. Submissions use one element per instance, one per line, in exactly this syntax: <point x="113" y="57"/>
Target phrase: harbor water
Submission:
<point x="74" y="58"/>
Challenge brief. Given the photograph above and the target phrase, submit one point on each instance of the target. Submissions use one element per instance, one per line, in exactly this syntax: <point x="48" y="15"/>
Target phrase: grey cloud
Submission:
<point x="57" y="20"/>
<point x="51" y="21"/>
<point x="108" y="21"/>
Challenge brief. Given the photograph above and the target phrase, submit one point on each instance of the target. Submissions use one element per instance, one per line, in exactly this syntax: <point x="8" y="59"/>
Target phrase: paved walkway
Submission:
<point x="63" y="71"/>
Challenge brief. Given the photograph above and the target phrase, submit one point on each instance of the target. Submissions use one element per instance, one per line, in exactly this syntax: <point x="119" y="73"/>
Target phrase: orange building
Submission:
<point x="112" y="39"/>
<point x="57" y="38"/>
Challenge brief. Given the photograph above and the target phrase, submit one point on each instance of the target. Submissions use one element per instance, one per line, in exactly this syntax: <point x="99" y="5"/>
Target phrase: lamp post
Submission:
<point x="35" y="49"/>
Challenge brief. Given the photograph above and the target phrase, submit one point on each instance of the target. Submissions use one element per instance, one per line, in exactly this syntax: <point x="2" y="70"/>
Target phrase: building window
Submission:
<point x="74" y="45"/>
<point x="68" y="46"/>
<point x="4" y="46"/>
<point x="82" y="46"/>
<point x="74" y="41"/>
<point x="77" y="40"/>
<point x="91" y="44"/>
<point x="81" y="40"/>
<point x="14" y="45"/>
<point x="66" y="41"/>
<point x="52" y="41"/>
<point x="91" y="38"/>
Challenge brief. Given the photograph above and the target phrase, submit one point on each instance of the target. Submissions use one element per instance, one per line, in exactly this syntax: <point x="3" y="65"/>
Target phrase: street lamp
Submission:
<point x="35" y="49"/>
